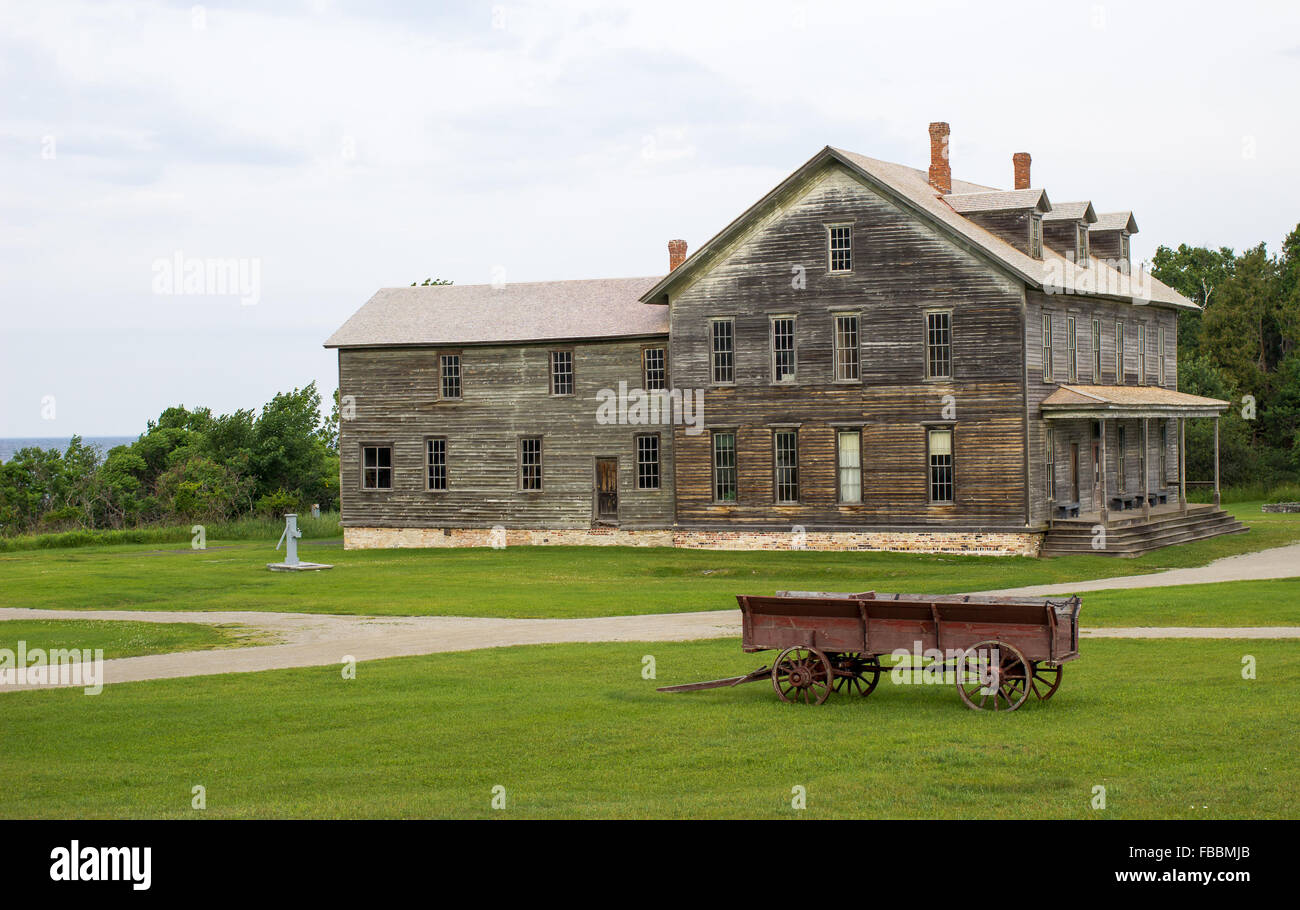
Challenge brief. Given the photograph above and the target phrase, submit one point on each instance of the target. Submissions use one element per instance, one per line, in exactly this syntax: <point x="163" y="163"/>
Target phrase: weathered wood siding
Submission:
<point x="505" y="395"/>
<point x="901" y="269"/>
<point x="1059" y="307"/>
<point x="1011" y="226"/>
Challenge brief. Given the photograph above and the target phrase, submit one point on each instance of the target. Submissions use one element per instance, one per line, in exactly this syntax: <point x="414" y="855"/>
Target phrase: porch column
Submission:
<point x="1146" y="470"/>
<point x="1105" y="496"/>
<point x="1216" y="461"/>
<point x="1182" y="464"/>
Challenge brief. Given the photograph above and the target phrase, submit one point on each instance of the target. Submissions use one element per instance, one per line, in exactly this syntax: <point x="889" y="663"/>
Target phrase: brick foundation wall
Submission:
<point x="1019" y="543"/>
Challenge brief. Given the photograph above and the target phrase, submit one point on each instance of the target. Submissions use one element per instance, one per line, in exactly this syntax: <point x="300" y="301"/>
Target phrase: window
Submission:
<point x="1119" y="353"/>
<point x="724" y="351"/>
<point x="1071" y="349"/>
<point x="940" y="446"/>
<point x="530" y="463"/>
<point x="1143" y="477"/>
<point x="938" y="345"/>
<point x="449" y="368"/>
<point x="783" y="357"/>
<point x="724" y="467"/>
<point x="1123" y="247"/>
<point x="654" y="369"/>
<point x="1121" y="455"/>
<point x="1047" y="347"/>
<point x="1096" y="350"/>
<point x="848" y="450"/>
<point x="561" y="372"/>
<point x="436" y="461"/>
<point x="1165" y="473"/>
<point x="376" y="467"/>
<point x="1050" y="460"/>
<point x="1081" y="244"/>
<point x="1160" y="354"/>
<point x="1036" y="236"/>
<point x="786" y="448"/>
<point x="846" y="348"/>
<point x="841" y="247"/>
<point x="647" y="462"/>
<point x="1142" y="353"/>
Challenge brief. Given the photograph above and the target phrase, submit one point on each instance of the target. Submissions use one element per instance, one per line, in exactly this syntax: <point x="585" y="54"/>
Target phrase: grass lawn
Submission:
<point x="543" y="581"/>
<point x="1233" y="603"/>
<point x="1169" y="728"/>
<point x="125" y="638"/>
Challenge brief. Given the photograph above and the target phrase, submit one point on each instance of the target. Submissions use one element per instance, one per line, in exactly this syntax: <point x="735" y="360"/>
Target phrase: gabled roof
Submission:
<point x="999" y="201"/>
<point x="1072" y="211"/>
<point x="910" y="189"/>
<point x="1115" y="221"/>
<point x="483" y="314"/>
<point x="1071" y="401"/>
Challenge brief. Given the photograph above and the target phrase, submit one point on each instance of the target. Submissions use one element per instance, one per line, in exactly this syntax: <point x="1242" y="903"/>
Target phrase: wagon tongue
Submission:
<point x="761" y="673"/>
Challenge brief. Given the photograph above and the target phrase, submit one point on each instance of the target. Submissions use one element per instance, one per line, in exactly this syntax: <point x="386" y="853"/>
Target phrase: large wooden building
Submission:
<point x="872" y="356"/>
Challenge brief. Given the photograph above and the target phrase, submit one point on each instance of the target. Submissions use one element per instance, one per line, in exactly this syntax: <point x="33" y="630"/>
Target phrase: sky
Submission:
<point x="313" y="152"/>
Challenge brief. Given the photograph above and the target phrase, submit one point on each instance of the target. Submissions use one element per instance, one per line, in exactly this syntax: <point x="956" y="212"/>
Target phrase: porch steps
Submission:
<point x="1129" y="535"/>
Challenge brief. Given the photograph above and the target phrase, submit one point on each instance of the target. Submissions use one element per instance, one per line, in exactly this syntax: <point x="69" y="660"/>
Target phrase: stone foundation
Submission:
<point x="1282" y="507"/>
<point x="981" y="543"/>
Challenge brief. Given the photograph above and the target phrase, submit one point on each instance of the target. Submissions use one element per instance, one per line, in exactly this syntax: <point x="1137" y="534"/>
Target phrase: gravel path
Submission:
<point x="313" y="640"/>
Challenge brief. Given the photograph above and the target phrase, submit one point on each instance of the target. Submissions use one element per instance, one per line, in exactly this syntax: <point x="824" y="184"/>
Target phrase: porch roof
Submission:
<point x="1100" y="401"/>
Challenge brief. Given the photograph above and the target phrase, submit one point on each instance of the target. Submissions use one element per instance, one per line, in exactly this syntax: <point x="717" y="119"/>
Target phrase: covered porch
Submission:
<point x="1125" y="481"/>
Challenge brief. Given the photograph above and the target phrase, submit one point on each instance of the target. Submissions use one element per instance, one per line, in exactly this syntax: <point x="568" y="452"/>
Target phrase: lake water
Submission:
<point x="9" y="446"/>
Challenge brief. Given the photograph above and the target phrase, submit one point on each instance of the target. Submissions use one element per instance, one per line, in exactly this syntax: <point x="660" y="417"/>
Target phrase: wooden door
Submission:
<point x="1074" y="471"/>
<point x="1096" y="475"/>
<point x="607" y="488"/>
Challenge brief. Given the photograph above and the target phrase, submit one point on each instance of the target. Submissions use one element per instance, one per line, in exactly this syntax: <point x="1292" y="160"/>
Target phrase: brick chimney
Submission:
<point x="940" y="171"/>
<point x="676" y="253"/>
<point x="1020" y="162"/>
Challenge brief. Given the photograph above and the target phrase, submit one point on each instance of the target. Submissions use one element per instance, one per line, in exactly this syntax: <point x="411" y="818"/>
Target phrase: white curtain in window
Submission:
<point x="850" y="467"/>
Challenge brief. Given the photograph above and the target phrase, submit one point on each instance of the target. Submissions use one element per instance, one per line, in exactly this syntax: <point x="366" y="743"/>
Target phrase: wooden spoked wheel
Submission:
<point x="855" y="673"/>
<point x="993" y="676"/>
<point x="802" y="674"/>
<point x="1046" y="680"/>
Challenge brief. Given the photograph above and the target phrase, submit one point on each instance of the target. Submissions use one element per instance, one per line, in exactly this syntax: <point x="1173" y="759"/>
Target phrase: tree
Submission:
<point x="431" y="282"/>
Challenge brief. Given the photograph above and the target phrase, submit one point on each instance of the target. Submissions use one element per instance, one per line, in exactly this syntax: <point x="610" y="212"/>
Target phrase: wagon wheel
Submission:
<point x="989" y="683"/>
<point x="802" y="674"/>
<point x="855" y="673"/>
<point x="1046" y="680"/>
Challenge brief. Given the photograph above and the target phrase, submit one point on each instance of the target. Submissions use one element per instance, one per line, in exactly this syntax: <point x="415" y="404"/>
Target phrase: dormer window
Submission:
<point x="1081" y="244"/>
<point x="1123" y="247"/>
<point x="840" y="247"/>
<point x="1036" y="236"/>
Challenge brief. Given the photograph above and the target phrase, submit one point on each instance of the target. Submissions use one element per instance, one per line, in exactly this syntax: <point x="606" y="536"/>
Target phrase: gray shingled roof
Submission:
<point x="1115" y="221"/>
<point x="1071" y="211"/>
<point x="483" y="314"/>
<point x="998" y="201"/>
<point x="911" y="188"/>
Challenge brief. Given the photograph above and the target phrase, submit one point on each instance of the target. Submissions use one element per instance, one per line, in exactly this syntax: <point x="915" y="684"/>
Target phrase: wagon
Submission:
<point x="997" y="651"/>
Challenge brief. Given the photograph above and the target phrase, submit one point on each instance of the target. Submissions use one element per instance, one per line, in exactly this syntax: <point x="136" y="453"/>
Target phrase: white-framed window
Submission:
<point x="1049" y="459"/>
<point x="938" y="344"/>
<point x="1119" y="353"/>
<point x="783" y="352"/>
<point x="939" y="448"/>
<point x="848" y="457"/>
<point x="847" y="357"/>
<point x="376" y="467"/>
<point x="724" y="466"/>
<point x="654" y="369"/>
<point x="1048" y="371"/>
<point x="1096" y="351"/>
<point x="449" y="375"/>
<point x="561" y="372"/>
<point x="1036" y="236"/>
<point x="785" y="451"/>
<point x="1123" y="247"/>
<point x="647" y="462"/>
<point x="1071" y="349"/>
<point x="435" y="458"/>
<point x="1142" y="353"/>
<point x="1160" y="354"/>
<point x="722" y="354"/>
<point x="839" y="247"/>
